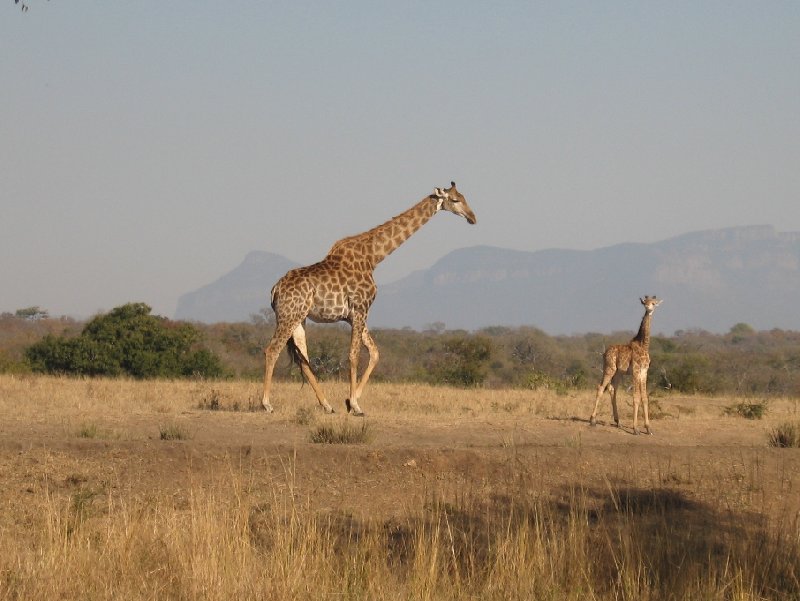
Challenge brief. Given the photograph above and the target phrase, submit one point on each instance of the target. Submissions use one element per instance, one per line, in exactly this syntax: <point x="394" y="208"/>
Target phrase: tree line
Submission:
<point x="130" y="341"/>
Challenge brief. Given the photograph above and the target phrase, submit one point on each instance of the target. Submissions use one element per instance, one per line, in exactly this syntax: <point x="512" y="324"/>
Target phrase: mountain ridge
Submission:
<point x="710" y="280"/>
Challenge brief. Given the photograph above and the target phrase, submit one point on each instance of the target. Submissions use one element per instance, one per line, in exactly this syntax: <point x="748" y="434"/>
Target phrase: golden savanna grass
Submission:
<point x="456" y="494"/>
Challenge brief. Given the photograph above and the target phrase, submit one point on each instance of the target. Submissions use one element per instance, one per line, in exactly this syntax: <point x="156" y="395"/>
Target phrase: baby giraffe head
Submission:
<point x="452" y="200"/>
<point x="650" y="303"/>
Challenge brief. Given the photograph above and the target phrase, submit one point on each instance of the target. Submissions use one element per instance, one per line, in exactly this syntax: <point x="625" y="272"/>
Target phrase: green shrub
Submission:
<point x="747" y="410"/>
<point x="460" y="361"/>
<point x="127" y="341"/>
<point x="537" y="380"/>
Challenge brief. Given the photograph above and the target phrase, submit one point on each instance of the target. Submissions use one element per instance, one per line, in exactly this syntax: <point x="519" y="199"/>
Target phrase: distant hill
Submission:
<point x="237" y="294"/>
<point x="710" y="280"/>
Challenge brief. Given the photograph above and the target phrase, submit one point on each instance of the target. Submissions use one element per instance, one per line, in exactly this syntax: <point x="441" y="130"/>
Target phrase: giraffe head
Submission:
<point x="452" y="200"/>
<point x="650" y="303"/>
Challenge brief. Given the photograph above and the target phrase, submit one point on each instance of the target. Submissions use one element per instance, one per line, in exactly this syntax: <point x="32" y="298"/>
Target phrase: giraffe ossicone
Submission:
<point x="632" y="358"/>
<point x="341" y="288"/>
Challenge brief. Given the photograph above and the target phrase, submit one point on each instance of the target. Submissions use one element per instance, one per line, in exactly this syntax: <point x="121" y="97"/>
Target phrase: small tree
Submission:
<point x="462" y="361"/>
<point x="32" y="313"/>
<point x="127" y="341"/>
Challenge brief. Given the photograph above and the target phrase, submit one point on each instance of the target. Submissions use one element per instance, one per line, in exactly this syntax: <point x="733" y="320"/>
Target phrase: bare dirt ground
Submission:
<point x="103" y="437"/>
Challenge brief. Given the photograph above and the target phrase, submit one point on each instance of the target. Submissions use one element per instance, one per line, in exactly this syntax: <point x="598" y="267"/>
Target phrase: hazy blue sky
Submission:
<point x="146" y="147"/>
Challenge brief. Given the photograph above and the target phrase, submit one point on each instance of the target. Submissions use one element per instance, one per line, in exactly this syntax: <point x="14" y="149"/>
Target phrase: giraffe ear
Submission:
<point x="438" y="193"/>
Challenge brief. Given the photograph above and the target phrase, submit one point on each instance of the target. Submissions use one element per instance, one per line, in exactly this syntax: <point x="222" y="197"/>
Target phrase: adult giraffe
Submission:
<point x="341" y="288"/>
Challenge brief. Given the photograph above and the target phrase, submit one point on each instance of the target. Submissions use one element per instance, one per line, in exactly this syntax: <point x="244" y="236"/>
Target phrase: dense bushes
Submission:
<point x="458" y="361"/>
<point x="127" y="341"/>
<point x="130" y="341"/>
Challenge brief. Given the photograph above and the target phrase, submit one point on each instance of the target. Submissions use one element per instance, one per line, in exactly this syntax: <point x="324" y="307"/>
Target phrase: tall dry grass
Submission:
<point x="227" y="541"/>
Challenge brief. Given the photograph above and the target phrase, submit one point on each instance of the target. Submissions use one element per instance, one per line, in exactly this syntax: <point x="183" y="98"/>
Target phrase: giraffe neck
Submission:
<point x="643" y="336"/>
<point x="385" y="238"/>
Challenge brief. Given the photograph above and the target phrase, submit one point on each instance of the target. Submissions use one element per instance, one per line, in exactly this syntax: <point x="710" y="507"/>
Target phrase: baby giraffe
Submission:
<point x="632" y="358"/>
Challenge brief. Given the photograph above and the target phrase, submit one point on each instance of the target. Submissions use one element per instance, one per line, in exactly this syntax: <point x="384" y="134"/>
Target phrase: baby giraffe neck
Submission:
<point x="643" y="336"/>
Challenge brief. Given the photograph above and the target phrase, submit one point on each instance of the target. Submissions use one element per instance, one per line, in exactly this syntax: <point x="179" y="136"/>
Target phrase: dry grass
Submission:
<point x="227" y="542"/>
<point x="78" y="523"/>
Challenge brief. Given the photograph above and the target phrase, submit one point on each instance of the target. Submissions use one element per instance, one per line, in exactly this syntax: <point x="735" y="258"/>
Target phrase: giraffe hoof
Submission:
<point x="268" y="408"/>
<point x="592" y="421"/>
<point x="351" y="410"/>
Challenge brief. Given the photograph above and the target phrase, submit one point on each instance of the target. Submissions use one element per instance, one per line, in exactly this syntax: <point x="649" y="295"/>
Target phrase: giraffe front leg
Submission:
<point x="271" y="354"/>
<point x="637" y="399"/>
<point x="593" y="417"/>
<point x="351" y="403"/>
<point x="645" y="405"/>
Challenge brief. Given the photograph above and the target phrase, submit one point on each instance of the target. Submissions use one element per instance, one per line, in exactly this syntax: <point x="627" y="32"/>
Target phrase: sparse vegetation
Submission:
<point x="210" y="402"/>
<point x="747" y="410"/>
<point x="173" y="432"/>
<point x="304" y="416"/>
<point x="342" y="433"/>
<point x="88" y="430"/>
<point x="215" y="400"/>
<point x="785" y="435"/>
<point x="482" y="514"/>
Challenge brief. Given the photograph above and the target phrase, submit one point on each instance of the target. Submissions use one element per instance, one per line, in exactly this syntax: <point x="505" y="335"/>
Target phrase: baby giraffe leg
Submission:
<point x="613" y="388"/>
<point x="601" y="388"/>
<point x="645" y="403"/>
<point x="637" y="399"/>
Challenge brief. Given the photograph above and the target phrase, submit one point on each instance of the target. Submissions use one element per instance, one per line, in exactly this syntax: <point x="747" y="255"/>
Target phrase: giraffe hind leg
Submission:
<point x="601" y="388"/>
<point x="298" y="350"/>
<point x="637" y="400"/>
<point x="374" y="355"/>
<point x="613" y="388"/>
